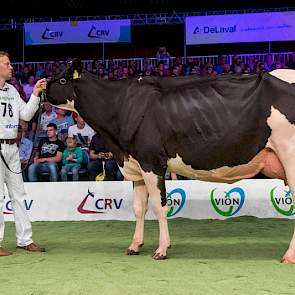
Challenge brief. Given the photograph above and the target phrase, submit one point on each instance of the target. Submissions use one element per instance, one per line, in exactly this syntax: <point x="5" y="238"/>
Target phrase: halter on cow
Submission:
<point x="216" y="129"/>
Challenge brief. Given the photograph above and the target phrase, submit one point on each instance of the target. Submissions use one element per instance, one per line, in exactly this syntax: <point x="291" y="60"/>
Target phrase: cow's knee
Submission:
<point x="139" y="210"/>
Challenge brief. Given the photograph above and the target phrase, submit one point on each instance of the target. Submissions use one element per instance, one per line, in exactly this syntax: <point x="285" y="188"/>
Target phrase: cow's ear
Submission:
<point x="76" y="68"/>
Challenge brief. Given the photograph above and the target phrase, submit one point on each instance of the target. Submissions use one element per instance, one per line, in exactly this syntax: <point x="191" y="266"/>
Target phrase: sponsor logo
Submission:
<point x="215" y="30"/>
<point x="98" y="205"/>
<point x="282" y="201"/>
<point x="175" y="201"/>
<point x="49" y="35"/>
<point x="8" y="206"/>
<point x="228" y="203"/>
<point x="97" y="33"/>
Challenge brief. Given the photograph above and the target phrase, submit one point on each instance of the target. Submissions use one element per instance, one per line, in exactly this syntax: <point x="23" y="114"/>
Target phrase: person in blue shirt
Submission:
<point x="63" y="123"/>
<point x="25" y="147"/>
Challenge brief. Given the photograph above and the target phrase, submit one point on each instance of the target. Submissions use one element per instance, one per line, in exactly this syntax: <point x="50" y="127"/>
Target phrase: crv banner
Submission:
<point x="97" y="31"/>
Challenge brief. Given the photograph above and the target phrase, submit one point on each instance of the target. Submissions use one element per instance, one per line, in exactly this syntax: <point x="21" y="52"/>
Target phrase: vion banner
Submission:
<point x="232" y="28"/>
<point x="97" y="31"/>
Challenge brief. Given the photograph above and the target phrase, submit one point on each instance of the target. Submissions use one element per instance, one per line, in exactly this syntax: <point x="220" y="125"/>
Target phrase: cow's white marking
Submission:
<point x="286" y="75"/>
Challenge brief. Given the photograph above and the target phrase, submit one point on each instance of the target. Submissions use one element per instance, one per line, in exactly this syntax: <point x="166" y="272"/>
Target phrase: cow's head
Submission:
<point x="60" y="89"/>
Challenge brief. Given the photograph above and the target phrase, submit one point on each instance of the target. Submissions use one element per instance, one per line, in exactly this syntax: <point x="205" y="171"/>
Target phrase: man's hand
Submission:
<point x="101" y="156"/>
<point x="108" y="155"/>
<point x="39" y="87"/>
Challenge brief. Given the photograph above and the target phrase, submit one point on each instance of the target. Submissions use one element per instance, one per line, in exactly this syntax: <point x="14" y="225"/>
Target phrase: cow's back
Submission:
<point x="213" y="122"/>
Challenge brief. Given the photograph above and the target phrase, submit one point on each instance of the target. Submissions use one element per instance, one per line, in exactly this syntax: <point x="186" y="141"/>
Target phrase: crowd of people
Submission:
<point x="67" y="148"/>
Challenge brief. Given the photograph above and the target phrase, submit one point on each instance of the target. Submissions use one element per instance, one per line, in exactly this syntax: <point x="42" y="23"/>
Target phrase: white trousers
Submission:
<point x="17" y="194"/>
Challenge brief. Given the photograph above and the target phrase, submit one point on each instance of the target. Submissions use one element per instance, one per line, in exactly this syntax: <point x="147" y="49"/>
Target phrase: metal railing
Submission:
<point x="139" y="62"/>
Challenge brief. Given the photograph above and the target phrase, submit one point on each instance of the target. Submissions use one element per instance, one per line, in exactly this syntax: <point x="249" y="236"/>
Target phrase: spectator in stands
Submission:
<point x="196" y="71"/>
<point x="71" y="160"/>
<point x="268" y="65"/>
<point x="48" y="155"/>
<point x="29" y="86"/>
<point x="82" y="133"/>
<point x="260" y="67"/>
<point x="40" y="71"/>
<point x="279" y="62"/>
<point x="219" y="67"/>
<point x="24" y="75"/>
<point x="19" y="88"/>
<point x="25" y="147"/>
<point x="63" y="123"/>
<point x="163" y="56"/>
<point x="102" y="159"/>
<point x="47" y="116"/>
<point x="291" y="64"/>
<point x="208" y="70"/>
<point x="147" y="66"/>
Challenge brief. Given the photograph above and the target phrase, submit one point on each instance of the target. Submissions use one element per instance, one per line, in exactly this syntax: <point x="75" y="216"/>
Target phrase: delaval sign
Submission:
<point x="248" y="27"/>
<point x="77" y="32"/>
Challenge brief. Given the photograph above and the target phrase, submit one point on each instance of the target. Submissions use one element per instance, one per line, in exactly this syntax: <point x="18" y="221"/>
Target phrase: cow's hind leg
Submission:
<point x="157" y="192"/>
<point x="282" y="141"/>
<point x="140" y="206"/>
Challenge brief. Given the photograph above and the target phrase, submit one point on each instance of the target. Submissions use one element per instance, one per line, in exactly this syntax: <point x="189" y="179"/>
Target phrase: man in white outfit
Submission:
<point x="13" y="108"/>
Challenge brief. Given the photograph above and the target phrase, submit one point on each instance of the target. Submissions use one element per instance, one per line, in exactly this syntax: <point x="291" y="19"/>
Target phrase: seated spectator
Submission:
<point x="48" y="155"/>
<point x="218" y="68"/>
<point x="63" y="123"/>
<point x="101" y="160"/>
<point x="47" y="116"/>
<point x="40" y="71"/>
<point x="71" y="160"/>
<point x="82" y="132"/>
<point x="29" y="86"/>
<point x="25" y="147"/>
<point x="291" y="64"/>
<point x="208" y="70"/>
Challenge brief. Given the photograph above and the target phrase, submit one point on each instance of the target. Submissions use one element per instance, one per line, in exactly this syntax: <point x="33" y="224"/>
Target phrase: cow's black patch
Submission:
<point x="208" y="122"/>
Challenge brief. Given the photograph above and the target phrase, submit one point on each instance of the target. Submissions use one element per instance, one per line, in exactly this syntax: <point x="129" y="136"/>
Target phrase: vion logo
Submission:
<point x="8" y="206"/>
<point x="48" y="34"/>
<point x="282" y="201"/>
<point x="175" y="201"/>
<point x="92" y="205"/>
<point x="96" y="33"/>
<point x="227" y="203"/>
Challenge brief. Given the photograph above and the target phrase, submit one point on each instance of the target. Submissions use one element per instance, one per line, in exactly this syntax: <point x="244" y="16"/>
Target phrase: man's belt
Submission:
<point x="8" y="141"/>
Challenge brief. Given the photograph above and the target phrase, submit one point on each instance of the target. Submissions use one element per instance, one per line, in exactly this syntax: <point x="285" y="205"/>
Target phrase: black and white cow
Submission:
<point x="219" y="129"/>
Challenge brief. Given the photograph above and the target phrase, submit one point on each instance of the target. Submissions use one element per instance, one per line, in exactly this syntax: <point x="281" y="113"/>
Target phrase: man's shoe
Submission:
<point x="4" y="252"/>
<point x="32" y="248"/>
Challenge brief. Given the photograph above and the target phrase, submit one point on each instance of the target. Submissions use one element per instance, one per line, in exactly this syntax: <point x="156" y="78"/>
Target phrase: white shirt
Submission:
<point x="45" y="119"/>
<point x="87" y="131"/>
<point x="13" y="108"/>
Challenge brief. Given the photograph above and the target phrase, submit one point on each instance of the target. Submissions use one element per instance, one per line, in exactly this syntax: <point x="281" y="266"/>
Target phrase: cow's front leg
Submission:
<point x="140" y="205"/>
<point x="157" y="191"/>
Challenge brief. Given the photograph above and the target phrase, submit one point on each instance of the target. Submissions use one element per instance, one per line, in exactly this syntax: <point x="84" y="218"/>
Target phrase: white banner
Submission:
<point x="194" y="199"/>
<point x="248" y="27"/>
<point x="97" y="31"/>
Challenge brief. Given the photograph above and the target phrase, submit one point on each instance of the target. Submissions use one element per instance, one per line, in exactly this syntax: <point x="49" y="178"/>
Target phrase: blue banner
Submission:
<point x="233" y="28"/>
<point x="77" y="32"/>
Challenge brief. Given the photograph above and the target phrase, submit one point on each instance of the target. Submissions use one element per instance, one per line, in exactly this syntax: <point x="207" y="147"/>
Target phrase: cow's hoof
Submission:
<point x="286" y="260"/>
<point x="158" y="256"/>
<point x="131" y="252"/>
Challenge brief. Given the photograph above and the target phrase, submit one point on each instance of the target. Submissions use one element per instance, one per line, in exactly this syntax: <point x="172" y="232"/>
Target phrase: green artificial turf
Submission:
<point x="236" y="256"/>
